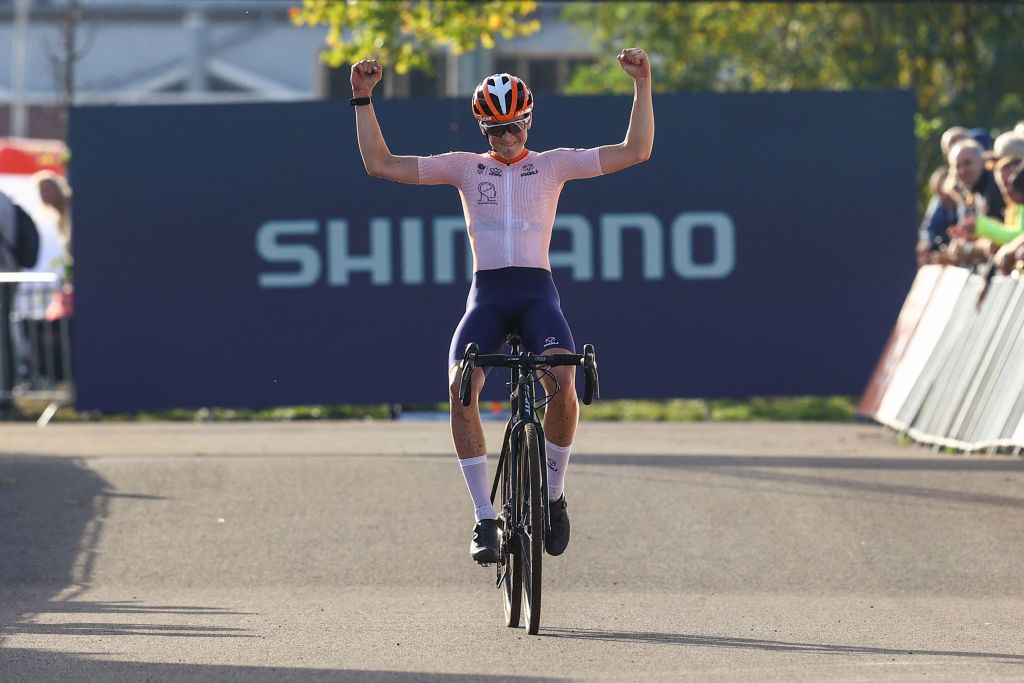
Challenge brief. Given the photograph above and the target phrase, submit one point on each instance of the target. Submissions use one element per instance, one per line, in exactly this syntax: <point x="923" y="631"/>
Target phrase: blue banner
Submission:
<point x="239" y="255"/>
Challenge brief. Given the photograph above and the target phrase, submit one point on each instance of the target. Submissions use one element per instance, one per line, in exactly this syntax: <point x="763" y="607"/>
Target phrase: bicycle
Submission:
<point x="522" y="480"/>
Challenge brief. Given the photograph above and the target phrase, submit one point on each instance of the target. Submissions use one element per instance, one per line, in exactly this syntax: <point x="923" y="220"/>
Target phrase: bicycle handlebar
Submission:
<point x="471" y="359"/>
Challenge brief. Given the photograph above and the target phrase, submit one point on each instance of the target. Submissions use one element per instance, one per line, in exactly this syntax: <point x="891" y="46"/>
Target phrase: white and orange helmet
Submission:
<point x="501" y="98"/>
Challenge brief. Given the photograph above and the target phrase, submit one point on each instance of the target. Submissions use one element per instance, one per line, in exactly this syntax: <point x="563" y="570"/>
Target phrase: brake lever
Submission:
<point x="468" y="366"/>
<point x="592" y="388"/>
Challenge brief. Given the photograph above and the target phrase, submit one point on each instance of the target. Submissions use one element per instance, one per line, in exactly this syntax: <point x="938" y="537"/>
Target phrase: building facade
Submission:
<point x="189" y="51"/>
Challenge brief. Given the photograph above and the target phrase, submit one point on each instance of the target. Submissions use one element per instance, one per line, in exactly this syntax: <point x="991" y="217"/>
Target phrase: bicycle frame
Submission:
<point x="523" y="367"/>
<point x="526" y="513"/>
<point x="523" y="412"/>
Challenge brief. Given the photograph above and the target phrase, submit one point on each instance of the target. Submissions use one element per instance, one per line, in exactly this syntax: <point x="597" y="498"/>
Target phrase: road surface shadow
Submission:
<point x="132" y="607"/>
<point x="787" y="471"/>
<point x="79" y="628"/>
<point x="778" y="468"/>
<point x="37" y="665"/>
<point x="765" y="645"/>
<point x="822" y="462"/>
<point x="53" y="511"/>
<point x="949" y="463"/>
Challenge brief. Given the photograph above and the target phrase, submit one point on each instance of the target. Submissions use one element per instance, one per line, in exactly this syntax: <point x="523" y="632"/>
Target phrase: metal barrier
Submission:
<point x="952" y="375"/>
<point x="35" y="342"/>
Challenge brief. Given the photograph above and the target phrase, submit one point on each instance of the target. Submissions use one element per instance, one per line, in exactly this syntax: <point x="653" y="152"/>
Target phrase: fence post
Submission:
<point x="6" y="348"/>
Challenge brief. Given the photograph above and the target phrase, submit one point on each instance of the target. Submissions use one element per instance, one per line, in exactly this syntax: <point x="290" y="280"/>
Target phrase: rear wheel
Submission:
<point x="532" y="514"/>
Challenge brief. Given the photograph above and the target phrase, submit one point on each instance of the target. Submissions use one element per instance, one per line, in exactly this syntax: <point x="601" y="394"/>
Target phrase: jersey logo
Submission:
<point x="480" y="169"/>
<point x="494" y="171"/>
<point x="488" y="193"/>
<point x="550" y="341"/>
<point x="499" y="90"/>
<point x="528" y="170"/>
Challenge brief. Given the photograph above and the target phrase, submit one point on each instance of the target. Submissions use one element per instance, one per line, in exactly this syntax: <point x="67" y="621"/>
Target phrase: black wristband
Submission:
<point x="359" y="101"/>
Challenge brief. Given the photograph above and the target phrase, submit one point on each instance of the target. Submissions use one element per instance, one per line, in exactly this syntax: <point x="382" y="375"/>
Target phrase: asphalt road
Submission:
<point x="339" y="551"/>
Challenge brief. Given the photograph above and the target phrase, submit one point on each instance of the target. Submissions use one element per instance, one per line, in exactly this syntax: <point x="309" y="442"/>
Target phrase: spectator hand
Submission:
<point x="960" y="250"/>
<point x="365" y="75"/>
<point x="923" y="253"/>
<point x="964" y="229"/>
<point x="1007" y="257"/>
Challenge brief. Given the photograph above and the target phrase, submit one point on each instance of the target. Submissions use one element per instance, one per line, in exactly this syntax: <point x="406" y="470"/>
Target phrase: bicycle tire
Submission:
<point x="512" y="579"/>
<point x="532" y="533"/>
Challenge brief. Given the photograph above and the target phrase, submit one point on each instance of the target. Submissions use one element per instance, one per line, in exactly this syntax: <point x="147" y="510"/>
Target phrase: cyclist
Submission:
<point x="509" y="195"/>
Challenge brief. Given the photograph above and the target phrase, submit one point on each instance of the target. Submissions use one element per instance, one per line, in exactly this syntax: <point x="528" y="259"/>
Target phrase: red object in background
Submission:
<point x="25" y="156"/>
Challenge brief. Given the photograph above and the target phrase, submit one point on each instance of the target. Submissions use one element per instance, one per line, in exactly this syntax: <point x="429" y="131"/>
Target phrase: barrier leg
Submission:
<point x="7" y="365"/>
<point x="48" y="414"/>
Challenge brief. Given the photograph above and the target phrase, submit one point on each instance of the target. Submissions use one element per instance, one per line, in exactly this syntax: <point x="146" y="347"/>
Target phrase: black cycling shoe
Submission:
<point x="486" y="537"/>
<point x="558" y="538"/>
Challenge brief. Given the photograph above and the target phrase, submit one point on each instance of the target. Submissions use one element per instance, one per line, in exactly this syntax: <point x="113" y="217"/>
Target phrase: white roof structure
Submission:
<point x="182" y="51"/>
<point x="128" y="56"/>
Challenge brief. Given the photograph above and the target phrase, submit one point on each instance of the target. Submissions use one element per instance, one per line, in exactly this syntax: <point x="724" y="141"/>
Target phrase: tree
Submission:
<point x="65" y="56"/>
<point x="402" y="33"/>
<point x="964" y="61"/>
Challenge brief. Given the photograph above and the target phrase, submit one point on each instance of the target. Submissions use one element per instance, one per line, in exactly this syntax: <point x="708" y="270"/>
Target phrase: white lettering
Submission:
<point x="682" y="243"/>
<point x="612" y="227"/>
<point x="448" y="232"/>
<point x="305" y="256"/>
<point x="341" y="263"/>
<point x="412" y="251"/>
<point x="580" y="256"/>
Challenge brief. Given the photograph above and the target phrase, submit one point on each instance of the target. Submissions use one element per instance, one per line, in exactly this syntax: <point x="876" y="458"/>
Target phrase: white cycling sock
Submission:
<point x="558" y="462"/>
<point x="474" y="470"/>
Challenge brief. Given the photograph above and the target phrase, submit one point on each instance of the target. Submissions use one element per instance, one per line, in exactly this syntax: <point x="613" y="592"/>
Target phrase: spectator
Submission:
<point x="952" y="136"/>
<point x="8" y="234"/>
<point x="33" y="298"/>
<point x="938" y="217"/>
<point x="990" y="234"/>
<point x="1005" y="170"/>
<point x="39" y="306"/>
<point x="1008" y="172"/>
<point x="982" y="137"/>
<point x="1009" y="144"/>
<point x="56" y="196"/>
<point x="972" y="186"/>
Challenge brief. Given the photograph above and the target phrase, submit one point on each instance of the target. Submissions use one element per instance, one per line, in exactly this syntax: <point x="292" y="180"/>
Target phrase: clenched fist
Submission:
<point x="635" y="62"/>
<point x="365" y="75"/>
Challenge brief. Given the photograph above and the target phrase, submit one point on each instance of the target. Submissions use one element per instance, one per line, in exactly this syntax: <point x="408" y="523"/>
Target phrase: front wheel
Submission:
<point x="531" y="513"/>
<point x="511" y="568"/>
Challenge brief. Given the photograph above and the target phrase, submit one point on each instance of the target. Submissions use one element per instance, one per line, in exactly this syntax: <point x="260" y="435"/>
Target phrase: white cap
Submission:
<point x="1010" y="143"/>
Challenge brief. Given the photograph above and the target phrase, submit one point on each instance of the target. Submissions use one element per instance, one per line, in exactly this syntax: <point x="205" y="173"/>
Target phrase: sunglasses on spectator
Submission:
<point x="512" y="127"/>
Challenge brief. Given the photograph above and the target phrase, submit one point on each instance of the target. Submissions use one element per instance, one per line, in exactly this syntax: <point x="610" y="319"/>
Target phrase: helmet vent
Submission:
<point x="500" y="90"/>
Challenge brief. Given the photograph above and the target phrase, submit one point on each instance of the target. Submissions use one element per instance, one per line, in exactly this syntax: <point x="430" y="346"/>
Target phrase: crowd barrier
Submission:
<point x="35" y="342"/>
<point x="952" y="372"/>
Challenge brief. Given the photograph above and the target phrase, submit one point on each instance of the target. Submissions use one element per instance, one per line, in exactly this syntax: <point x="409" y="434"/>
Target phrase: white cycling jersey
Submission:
<point x="510" y="207"/>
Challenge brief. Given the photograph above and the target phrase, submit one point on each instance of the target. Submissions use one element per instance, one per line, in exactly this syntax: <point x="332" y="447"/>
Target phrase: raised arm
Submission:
<point x="377" y="158"/>
<point x="640" y="134"/>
